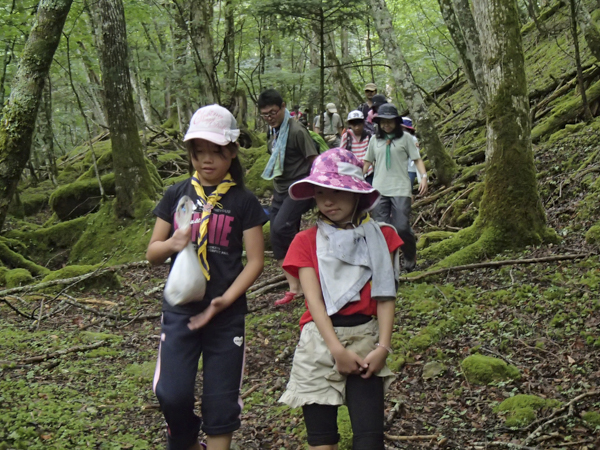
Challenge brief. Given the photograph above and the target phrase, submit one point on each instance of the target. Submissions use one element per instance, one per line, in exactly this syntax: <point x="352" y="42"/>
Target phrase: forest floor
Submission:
<point x="82" y="377"/>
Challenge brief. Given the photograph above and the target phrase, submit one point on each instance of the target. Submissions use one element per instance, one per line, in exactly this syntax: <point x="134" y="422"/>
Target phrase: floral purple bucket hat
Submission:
<point x="337" y="169"/>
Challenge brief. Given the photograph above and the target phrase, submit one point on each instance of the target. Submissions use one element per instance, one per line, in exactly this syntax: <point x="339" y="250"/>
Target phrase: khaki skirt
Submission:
<point x="314" y="378"/>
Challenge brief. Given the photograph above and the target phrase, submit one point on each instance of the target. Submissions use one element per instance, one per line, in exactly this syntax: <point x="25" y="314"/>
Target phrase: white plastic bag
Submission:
<point x="186" y="282"/>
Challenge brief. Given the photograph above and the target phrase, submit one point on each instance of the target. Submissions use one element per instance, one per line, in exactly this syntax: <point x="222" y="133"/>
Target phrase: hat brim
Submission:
<point x="384" y="116"/>
<point x="408" y="128"/>
<point x="215" y="138"/>
<point x="332" y="110"/>
<point x="305" y="189"/>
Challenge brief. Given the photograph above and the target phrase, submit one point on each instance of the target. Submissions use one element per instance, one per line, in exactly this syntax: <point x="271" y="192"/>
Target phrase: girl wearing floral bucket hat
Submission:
<point x="349" y="282"/>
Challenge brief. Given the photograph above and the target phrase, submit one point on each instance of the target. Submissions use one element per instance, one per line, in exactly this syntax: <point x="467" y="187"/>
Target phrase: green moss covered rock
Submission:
<point x="17" y="277"/>
<point x="106" y="280"/>
<point x="80" y="197"/>
<point x="481" y="369"/>
<point x="593" y="235"/>
<point x="522" y="409"/>
<point x="112" y="239"/>
<point x="254" y="181"/>
<point x="592" y="418"/>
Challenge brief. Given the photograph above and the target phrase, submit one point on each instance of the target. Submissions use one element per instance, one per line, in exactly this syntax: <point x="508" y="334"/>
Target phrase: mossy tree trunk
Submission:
<point x="19" y="114"/>
<point x="590" y="31"/>
<point x="347" y="93"/>
<point x="133" y="184"/>
<point x="464" y="17"/>
<point x="587" y="114"/>
<point x="461" y="47"/>
<point x="45" y="132"/>
<point x="443" y="164"/>
<point x="511" y="214"/>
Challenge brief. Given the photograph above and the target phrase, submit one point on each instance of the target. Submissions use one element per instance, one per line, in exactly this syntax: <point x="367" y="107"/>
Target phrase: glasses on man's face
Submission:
<point x="367" y="91"/>
<point x="269" y="114"/>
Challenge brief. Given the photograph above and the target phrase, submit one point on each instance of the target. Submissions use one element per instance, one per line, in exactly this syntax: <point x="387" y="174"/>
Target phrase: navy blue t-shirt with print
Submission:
<point x="239" y="210"/>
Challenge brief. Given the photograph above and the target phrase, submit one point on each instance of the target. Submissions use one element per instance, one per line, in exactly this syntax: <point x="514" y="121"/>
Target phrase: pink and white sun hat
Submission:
<point x="337" y="169"/>
<point x="213" y="123"/>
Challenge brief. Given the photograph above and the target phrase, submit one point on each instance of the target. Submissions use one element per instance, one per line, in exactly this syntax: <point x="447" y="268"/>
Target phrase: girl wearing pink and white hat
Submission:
<point x="226" y="218"/>
<point x="349" y="282"/>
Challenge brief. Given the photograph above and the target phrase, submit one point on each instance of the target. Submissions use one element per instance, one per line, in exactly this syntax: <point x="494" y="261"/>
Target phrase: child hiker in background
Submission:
<point x="356" y="139"/>
<point x="389" y="150"/>
<point x="346" y="268"/>
<point x="226" y="215"/>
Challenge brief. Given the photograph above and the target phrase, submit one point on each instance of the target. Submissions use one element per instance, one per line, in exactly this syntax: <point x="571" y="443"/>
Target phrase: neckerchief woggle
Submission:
<point x="208" y="203"/>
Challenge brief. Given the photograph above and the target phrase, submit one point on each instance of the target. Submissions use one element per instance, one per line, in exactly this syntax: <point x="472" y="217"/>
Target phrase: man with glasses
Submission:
<point x="370" y="91"/>
<point x="297" y="150"/>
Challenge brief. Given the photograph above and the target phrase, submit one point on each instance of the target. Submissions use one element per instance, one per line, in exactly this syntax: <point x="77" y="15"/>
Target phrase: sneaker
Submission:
<point x="288" y="297"/>
<point x="409" y="265"/>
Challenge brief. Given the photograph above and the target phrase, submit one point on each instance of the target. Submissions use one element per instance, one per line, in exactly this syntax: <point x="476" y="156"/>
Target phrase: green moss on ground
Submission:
<point x="107" y="237"/>
<point x="344" y="428"/>
<point x="428" y="239"/>
<point x="479" y="369"/>
<point x="48" y="246"/>
<point x="267" y="235"/>
<point x="17" y="277"/>
<point x="522" y="409"/>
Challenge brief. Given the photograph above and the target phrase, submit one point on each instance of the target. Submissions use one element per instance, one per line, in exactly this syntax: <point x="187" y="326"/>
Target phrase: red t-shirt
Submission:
<point x="303" y="253"/>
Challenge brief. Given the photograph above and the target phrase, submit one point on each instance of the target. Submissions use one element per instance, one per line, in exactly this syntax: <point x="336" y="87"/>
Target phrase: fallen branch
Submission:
<point x="73" y="302"/>
<point x="439" y="194"/>
<point x="47" y="356"/>
<point x="427" y="437"/>
<point x="267" y="288"/>
<point x="73" y="280"/>
<point x="271" y="280"/>
<point x="503" y="444"/>
<point x="508" y="262"/>
<point x="452" y="204"/>
<point x="552" y="418"/>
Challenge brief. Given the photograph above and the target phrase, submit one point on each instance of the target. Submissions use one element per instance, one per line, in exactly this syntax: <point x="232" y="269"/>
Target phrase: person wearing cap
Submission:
<point x="370" y="91"/>
<point x="356" y="139"/>
<point x="292" y="153"/>
<point x="347" y="265"/>
<point x="378" y="100"/>
<point x="389" y="150"/>
<point x="226" y="219"/>
<point x="413" y="173"/>
<point x="332" y="131"/>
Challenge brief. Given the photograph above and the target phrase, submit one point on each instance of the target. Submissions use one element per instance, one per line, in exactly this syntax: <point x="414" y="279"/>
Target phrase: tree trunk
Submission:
<point x="347" y="93"/>
<point x="142" y="96"/>
<point x="45" y="134"/>
<point x="202" y="13"/>
<point x="467" y="23"/>
<point x="589" y="29"/>
<point x="511" y="211"/>
<point x="444" y="166"/>
<point x="19" y="115"/>
<point x="229" y="46"/>
<point x="133" y="184"/>
<point x="580" y="81"/>
<point x="94" y="88"/>
<point x="461" y="47"/>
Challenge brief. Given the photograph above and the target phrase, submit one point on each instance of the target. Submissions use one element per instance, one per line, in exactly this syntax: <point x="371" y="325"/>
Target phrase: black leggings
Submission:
<point x="364" y="398"/>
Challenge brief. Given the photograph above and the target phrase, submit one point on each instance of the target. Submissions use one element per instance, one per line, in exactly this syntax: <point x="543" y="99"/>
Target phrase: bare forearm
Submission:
<point x="159" y="251"/>
<point x="367" y="165"/>
<point x="244" y="280"/>
<point x="421" y="166"/>
<point x="385" y="317"/>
